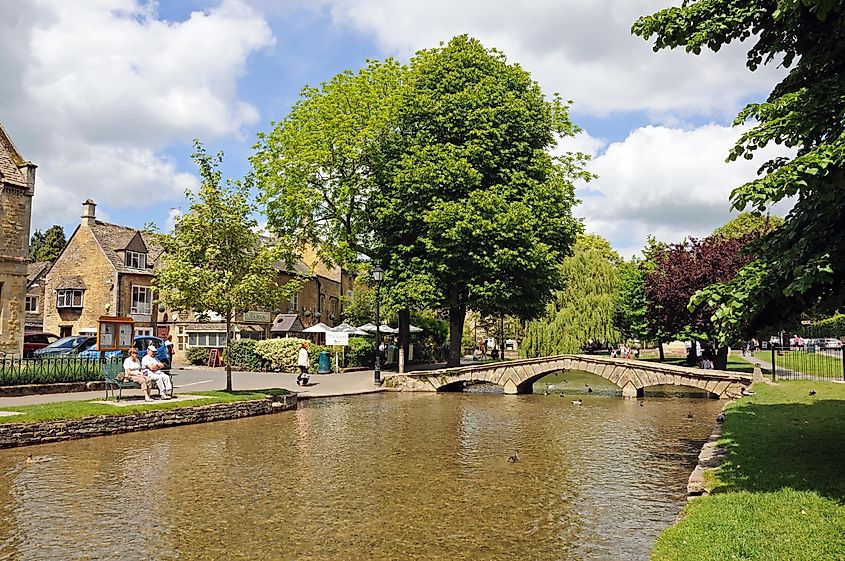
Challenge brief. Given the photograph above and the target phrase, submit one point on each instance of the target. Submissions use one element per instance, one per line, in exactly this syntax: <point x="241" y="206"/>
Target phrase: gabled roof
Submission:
<point x="35" y="270"/>
<point x="10" y="162"/>
<point x="287" y="323"/>
<point x="113" y="238"/>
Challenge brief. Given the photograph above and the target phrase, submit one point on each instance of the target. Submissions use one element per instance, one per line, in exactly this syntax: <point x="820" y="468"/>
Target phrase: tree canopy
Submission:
<point x="440" y="171"/>
<point x="478" y="213"/>
<point x="46" y="246"/>
<point x="801" y="265"/>
<point x="214" y="260"/>
<point x="583" y="308"/>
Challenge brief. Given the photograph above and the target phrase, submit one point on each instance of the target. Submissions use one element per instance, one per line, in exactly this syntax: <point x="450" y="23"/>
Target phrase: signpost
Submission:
<point x="336" y="339"/>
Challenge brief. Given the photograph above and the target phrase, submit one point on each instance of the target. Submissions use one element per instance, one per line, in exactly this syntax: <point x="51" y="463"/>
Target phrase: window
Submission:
<point x="206" y="338"/>
<point x="144" y="332"/>
<point x="142" y="300"/>
<point x="31" y="304"/>
<point x="350" y="294"/>
<point x="136" y="260"/>
<point x="294" y="302"/>
<point x="333" y="305"/>
<point x="69" y="298"/>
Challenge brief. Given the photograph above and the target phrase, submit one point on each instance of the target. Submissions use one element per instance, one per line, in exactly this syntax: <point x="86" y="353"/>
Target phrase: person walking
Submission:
<point x="303" y="363"/>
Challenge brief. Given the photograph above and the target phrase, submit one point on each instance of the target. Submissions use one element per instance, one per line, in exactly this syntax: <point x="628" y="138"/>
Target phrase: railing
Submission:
<point x="16" y="370"/>
<point x="808" y="362"/>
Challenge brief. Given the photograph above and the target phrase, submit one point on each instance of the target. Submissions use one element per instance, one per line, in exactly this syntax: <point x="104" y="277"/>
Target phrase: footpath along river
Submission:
<point x="385" y="476"/>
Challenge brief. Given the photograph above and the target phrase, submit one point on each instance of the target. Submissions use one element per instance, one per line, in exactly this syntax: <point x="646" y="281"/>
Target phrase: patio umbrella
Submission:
<point x="371" y="328"/>
<point x="415" y="329"/>
<point x="319" y="328"/>
<point x="346" y="328"/>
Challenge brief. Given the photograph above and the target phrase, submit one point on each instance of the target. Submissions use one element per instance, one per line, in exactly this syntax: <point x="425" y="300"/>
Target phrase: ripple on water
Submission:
<point x="378" y="477"/>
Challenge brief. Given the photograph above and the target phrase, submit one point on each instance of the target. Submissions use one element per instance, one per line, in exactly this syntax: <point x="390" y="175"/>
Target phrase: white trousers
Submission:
<point x="162" y="380"/>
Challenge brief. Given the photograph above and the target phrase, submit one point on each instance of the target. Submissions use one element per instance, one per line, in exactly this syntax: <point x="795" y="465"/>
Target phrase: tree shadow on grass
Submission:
<point x="799" y="446"/>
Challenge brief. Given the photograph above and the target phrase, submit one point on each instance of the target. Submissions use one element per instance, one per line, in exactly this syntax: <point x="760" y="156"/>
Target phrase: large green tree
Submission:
<point x="478" y="211"/>
<point x="801" y="264"/>
<point x="583" y="309"/>
<point x="46" y="246"/>
<point x="214" y="260"/>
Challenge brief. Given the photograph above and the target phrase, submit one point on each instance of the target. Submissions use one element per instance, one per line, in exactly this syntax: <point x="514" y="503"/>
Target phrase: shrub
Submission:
<point x="244" y="356"/>
<point x="279" y="354"/>
<point x="360" y="352"/>
<point x="198" y="356"/>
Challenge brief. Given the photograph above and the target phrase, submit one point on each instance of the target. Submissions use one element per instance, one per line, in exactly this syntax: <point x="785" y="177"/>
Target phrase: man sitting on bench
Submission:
<point x="154" y="369"/>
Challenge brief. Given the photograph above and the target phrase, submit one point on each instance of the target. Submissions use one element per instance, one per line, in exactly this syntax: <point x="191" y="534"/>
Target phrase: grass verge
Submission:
<point x="735" y="362"/>
<point x="66" y="410"/>
<point x="781" y="492"/>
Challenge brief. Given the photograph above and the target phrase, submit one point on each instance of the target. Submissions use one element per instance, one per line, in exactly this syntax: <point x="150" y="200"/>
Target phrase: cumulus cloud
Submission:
<point x="95" y="91"/>
<point x="581" y="48"/>
<point x="668" y="182"/>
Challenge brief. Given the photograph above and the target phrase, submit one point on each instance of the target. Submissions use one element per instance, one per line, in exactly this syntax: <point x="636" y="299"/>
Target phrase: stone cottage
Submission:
<point x="36" y="276"/>
<point x="104" y="270"/>
<point x="17" y="186"/>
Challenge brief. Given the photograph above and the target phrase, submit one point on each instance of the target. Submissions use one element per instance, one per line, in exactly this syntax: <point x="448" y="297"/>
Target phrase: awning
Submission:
<point x="249" y="327"/>
<point x="287" y="323"/>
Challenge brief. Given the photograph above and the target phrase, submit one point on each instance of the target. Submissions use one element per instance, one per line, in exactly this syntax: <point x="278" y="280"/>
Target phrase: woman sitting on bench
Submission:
<point x="132" y="371"/>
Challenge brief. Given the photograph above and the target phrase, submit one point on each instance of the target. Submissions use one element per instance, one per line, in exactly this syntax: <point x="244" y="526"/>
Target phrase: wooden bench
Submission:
<point x="111" y="372"/>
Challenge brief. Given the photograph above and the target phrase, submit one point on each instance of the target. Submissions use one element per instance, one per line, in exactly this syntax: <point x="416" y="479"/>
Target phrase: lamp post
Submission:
<point x="377" y="274"/>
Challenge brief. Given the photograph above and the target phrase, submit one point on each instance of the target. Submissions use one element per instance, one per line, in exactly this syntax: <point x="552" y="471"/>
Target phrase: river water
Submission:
<point x="387" y="476"/>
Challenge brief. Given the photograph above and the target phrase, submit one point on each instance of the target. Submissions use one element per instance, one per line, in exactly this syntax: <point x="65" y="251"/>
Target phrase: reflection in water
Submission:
<point x="396" y="476"/>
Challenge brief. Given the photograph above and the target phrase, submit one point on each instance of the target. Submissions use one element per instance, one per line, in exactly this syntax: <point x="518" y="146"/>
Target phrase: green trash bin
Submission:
<point x="325" y="363"/>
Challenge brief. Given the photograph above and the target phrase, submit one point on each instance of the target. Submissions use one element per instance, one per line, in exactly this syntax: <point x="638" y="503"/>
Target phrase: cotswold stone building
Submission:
<point x="104" y="270"/>
<point x="17" y="185"/>
<point x="36" y="275"/>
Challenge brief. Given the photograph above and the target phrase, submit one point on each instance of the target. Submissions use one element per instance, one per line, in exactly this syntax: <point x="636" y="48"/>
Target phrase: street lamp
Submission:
<point x="377" y="274"/>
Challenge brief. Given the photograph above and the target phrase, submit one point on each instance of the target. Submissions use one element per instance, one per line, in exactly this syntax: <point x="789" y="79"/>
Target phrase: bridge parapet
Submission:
<point x="517" y="376"/>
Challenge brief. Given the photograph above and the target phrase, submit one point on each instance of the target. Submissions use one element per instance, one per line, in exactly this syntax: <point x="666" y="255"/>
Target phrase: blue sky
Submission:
<point x="106" y="96"/>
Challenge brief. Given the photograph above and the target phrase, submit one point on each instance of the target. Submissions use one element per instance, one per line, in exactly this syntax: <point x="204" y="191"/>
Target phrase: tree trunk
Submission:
<point x="660" y="349"/>
<point x="721" y="362"/>
<point x="227" y="361"/>
<point x="404" y="337"/>
<point x="457" y="312"/>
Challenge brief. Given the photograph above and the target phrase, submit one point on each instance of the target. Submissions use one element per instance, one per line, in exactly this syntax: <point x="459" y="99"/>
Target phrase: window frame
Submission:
<point x="135" y="260"/>
<point x="31" y="309"/>
<point x="133" y="309"/>
<point x="66" y="298"/>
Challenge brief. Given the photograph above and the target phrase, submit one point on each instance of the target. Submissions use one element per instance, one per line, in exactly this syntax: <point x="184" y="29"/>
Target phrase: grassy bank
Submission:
<point x="735" y="362"/>
<point x="66" y="410"/>
<point x="781" y="492"/>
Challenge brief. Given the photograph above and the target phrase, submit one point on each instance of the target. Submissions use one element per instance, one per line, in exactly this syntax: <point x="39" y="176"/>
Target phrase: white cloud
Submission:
<point x="173" y="216"/>
<point x="581" y="48"/>
<point x="97" y="90"/>
<point x="664" y="181"/>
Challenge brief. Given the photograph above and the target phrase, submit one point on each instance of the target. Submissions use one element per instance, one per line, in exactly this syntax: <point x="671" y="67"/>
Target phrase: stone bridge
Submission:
<point x="518" y="376"/>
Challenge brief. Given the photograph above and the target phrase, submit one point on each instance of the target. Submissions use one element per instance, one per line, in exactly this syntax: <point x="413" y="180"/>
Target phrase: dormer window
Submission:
<point x="136" y="260"/>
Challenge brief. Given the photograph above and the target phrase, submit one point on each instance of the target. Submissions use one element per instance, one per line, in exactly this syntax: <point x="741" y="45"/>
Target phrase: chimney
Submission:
<point x="88" y="214"/>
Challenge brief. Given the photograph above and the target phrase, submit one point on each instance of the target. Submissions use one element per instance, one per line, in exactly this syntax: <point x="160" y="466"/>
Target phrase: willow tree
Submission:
<point x="584" y="308"/>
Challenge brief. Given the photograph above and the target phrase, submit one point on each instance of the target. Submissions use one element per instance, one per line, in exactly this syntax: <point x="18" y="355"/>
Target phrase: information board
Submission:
<point x="337" y="339"/>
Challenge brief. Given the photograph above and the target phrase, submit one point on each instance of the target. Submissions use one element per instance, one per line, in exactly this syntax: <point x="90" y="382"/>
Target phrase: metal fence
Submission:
<point x="16" y="370"/>
<point x="808" y="362"/>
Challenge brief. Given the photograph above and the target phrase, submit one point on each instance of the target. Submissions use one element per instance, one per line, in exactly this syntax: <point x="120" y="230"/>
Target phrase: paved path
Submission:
<point x="201" y="379"/>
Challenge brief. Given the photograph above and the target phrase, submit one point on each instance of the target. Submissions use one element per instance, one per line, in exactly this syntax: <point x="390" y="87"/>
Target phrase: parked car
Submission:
<point x="34" y="340"/>
<point x="72" y="345"/>
<point x="829" y="343"/>
<point x="141" y="342"/>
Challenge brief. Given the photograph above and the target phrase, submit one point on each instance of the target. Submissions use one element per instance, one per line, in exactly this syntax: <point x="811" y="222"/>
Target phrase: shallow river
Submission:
<point x="388" y="476"/>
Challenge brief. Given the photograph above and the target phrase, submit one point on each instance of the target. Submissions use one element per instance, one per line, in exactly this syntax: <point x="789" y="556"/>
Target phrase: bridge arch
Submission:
<point x="518" y="376"/>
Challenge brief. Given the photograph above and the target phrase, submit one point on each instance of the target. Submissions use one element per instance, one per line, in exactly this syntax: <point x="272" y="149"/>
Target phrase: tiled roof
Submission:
<point x="10" y="162"/>
<point x="287" y="323"/>
<point x="113" y="238"/>
<point x="35" y="269"/>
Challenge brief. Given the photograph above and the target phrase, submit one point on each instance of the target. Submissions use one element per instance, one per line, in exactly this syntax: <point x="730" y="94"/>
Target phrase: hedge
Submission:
<point x="198" y="356"/>
<point x="245" y="358"/>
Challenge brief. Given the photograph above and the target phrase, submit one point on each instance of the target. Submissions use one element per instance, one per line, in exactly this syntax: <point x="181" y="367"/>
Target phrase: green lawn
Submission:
<point x="812" y="364"/>
<point x="65" y="410"/>
<point x="735" y="362"/>
<point x="781" y="492"/>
